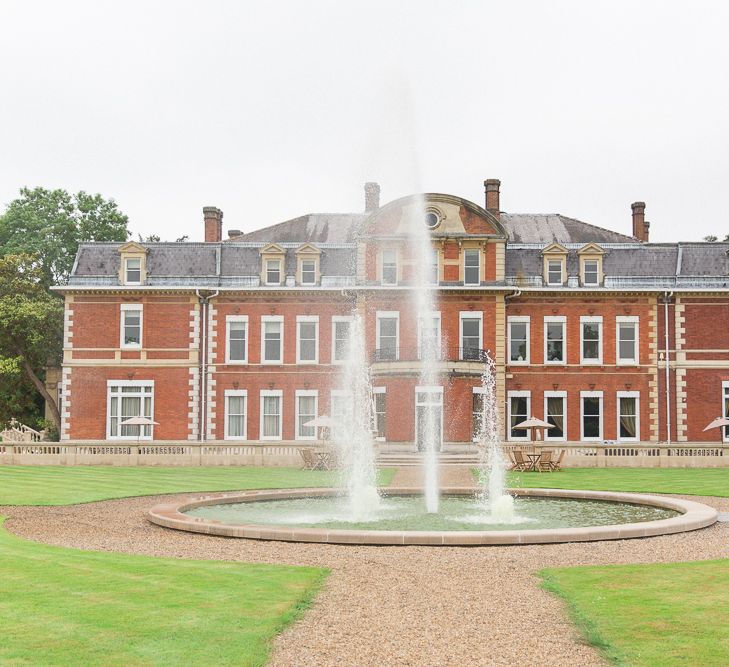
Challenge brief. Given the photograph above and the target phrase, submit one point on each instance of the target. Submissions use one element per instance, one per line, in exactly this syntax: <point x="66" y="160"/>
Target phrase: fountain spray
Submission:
<point x="492" y="461"/>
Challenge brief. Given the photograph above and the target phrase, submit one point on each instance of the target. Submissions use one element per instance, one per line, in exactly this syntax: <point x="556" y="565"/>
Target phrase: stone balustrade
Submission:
<point x="287" y="453"/>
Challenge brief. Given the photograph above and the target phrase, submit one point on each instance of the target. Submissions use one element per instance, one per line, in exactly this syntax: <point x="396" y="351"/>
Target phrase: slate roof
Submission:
<point x="313" y="227"/>
<point x="556" y="228"/>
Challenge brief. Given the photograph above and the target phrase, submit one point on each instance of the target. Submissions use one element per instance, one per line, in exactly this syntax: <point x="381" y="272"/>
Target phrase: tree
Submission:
<point x="155" y="238"/>
<point x="50" y="224"/>
<point x="711" y="238"/>
<point x="31" y="324"/>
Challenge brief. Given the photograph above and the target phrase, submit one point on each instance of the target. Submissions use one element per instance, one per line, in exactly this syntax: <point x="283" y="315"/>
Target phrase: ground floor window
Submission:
<point x="271" y="400"/>
<point x="628" y="416"/>
<point x="591" y="415"/>
<point x="476" y="413"/>
<point x="380" y="412"/>
<point x="519" y="404"/>
<point x="305" y="412"/>
<point x="428" y="417"/>
<point x="235" y="414"/>
<point x="725" y="430"/>
<point x="127" y="399"/>
<point x="555" y="413"/>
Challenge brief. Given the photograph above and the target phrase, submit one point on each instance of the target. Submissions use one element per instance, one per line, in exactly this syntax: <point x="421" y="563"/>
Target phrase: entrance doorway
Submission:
<point x="429" y="417"/>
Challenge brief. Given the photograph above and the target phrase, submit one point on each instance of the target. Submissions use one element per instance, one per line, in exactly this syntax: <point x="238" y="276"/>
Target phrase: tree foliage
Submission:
<point x="40" y="232"/>
<point x="712" y="238"/>
<point x="50" y="224"/>
<point x="31" y="327"/>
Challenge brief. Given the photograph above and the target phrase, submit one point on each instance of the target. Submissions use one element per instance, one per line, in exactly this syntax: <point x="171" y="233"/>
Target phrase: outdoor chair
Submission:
<point x="519" y="462"/>
<point x="545" y="463"/>
<point x="557" y="465"/>
<point x="310" y="460"/>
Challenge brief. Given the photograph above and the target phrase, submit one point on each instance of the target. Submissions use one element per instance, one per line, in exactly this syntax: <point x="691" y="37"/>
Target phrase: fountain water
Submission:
<point x="354" y="414"/>
<point x="492" y="461"/>
<point x="423" y="280"/>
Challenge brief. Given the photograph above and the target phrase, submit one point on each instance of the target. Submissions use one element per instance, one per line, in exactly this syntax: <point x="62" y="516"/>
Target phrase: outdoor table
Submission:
<point x="533" y="460"/>
<point x="323" y="460"/>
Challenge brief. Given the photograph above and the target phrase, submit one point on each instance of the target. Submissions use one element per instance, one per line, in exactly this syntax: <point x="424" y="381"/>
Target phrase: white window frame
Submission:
<point x="636" y="396"/>
<point x="517" y="394"/>
<point x="335" y="320"/>
<point x="126" y="307"/>
<point x="382" y="266"/>
<point x="264" y="320"/>
<point x="429" y="389"/>
<point x="556" y="394"/>
<point x="627" y="319"/>
<point x="383" y="315"/>
<point x="301" y="270"/>
<point x="469" y="315"/>
<point x="236" y="393"/>
<point x="555" y="319"/>
<point x="379" y="390"/>
<point x="333" y="395"/>
<point x="271" y="392"/>
<point x="478" y="266"/>
<point x="280" y="270"/>
<point x="433" y="315"/>
<point x="236" y="319"/>
<point x="476" y="390"/>
<point x="592" y="394"/>
<point x="307" y="319"/>
<point x="591" y="319"/>
<point x="126" y="270"/>
<point x="305" y="393"/>
<point x="597" y="272"/>
<point x="143" y="395"/>
<point x="561" y="271"/>
<point x="519" y="319"/>
<point x="723" y="412"/>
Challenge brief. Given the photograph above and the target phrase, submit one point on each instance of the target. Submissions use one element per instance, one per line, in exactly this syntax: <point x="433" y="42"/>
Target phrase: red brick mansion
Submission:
<point x="608" y="337"/>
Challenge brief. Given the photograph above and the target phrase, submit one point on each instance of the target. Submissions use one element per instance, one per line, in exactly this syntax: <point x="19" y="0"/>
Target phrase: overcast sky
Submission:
<point x="270" y="110"/>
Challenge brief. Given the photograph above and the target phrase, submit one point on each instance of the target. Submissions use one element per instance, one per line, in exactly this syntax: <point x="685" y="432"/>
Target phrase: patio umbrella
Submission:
<point x="323" y="421"/>
<point x="139" y="421"/>
<point x="718" y="423"/>
<point x="531" y="423"/>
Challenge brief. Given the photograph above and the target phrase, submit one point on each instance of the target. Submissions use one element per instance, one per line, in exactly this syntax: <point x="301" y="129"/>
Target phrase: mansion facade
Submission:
<point x="608" y="337"/>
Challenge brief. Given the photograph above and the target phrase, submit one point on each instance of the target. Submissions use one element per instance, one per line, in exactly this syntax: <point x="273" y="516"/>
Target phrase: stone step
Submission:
<point x="416" y="459"/>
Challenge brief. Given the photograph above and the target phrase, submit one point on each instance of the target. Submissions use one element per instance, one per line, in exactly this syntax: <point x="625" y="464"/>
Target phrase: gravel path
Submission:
<point x="386" y="606"/>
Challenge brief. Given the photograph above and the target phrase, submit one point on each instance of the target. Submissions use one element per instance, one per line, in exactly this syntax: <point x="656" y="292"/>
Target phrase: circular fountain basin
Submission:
<point x="542" y="516"/>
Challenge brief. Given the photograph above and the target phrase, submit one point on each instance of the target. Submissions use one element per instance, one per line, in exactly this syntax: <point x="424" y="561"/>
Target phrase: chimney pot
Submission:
<point x="640" y="226"/>
<point x="213" y="217"/>
<point x="492" y="187"/>
<point x="372" y="196"/>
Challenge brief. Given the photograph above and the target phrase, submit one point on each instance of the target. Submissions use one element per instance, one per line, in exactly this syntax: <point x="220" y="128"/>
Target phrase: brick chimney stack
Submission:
<point x="640" y="226"/>
<point x="492" y="186"/>
<point x="372" y="197"/>
<point x="213" y="224"/>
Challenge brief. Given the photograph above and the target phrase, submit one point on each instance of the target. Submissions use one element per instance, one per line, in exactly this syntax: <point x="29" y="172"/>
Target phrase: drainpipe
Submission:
<point x="666" y="299"/>
<point x="203" y="361"/>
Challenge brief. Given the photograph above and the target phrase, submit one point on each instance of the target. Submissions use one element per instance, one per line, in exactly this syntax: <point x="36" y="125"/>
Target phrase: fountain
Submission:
<point x="356" y="513"/>
<point x="492" y="468"/>
<point x="428" y="431"/>
<point x="352" y="433"/>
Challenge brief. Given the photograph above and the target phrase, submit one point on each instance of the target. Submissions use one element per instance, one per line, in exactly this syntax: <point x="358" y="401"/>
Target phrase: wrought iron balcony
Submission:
<point x="416" y="354"/>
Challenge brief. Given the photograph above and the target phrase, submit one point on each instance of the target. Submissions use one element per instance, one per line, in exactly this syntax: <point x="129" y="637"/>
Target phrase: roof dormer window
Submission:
<point x="308" y="262"/>
<point x="555" y="264"/>
<point x="273" y="272"/>
<point x="133" y="264"/>
<point x="133" y="270"/>
<point x="591" y="274"/>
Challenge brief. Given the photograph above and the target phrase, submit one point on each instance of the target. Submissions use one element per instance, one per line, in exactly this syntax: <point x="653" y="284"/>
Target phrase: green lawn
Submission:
<point x="67" y="607"/>
<point x="649" y="615"/>
<point x="65" y="485"/>
<point x="690" y="481"/>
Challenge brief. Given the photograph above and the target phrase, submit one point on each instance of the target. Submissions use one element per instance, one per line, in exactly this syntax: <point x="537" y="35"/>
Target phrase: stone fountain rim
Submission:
<point x="693" y="516"/>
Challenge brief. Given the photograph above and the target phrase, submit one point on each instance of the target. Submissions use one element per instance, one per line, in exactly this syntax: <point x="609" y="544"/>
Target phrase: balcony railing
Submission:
<point x="416" y="354"/>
